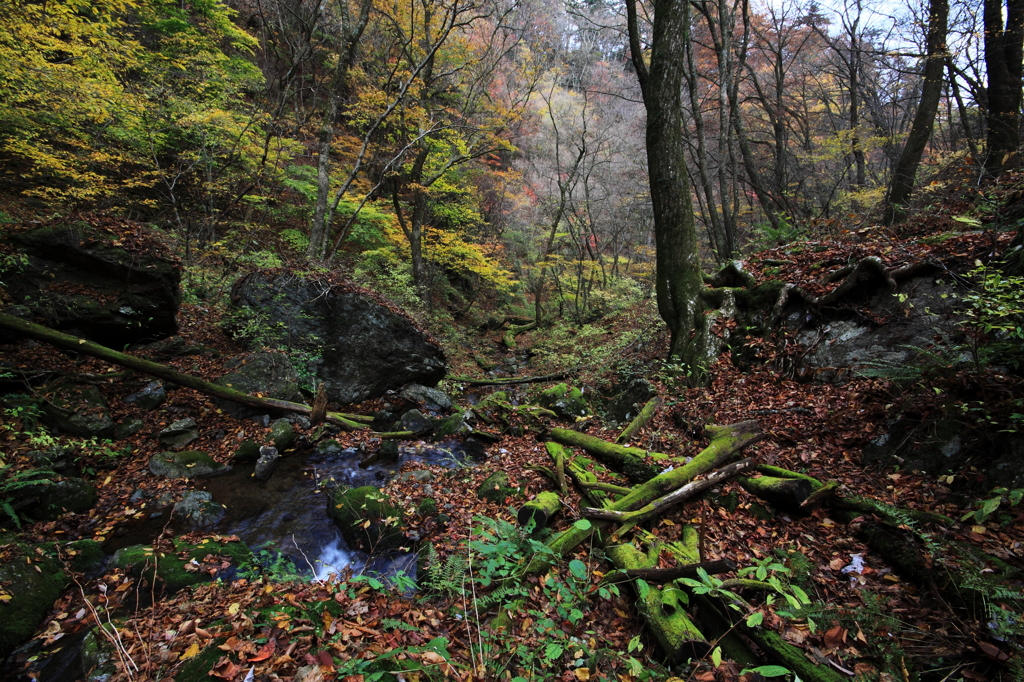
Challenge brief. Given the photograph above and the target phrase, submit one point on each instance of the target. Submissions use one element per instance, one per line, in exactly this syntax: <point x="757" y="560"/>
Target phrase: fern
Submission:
<point x="394" y="624"/>
<point x="447" y="577"/>
<point x="499" y="596"/>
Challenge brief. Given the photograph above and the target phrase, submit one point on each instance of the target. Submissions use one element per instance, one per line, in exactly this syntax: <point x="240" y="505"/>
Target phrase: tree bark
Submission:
<point x="677" y="262"/>
<point x="66" y="341"/>
<point x="1004" y="51"/>
<point x="921" y="129"/>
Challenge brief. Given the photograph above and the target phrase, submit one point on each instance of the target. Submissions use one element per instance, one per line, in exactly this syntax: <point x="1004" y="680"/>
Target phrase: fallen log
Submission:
<point x="667" y="575"/>
<point x="646" y="412"/>
<point x="73" y="343"/>
<point x="783" y="493"/>
<point x="725" y="442"/>
<point x="513" y="380"/>
<point x="665" y="612"/>
<point x="558" y="454"/>
<point x="634" y="462"/>
<point x="539" y="510"/>
<point x="649" y="511"/>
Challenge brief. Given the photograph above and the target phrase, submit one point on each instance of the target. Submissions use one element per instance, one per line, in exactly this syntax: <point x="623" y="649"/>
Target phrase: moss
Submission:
<point x="789" y="656"/>
<point x="427" y="507"/>
<point x="33" y="588"/>
<point x="197" y="669"/>
<point x="170" y="568"/>
<point x="83" y="556"/>
<point x="496" y="488"/>
<point x="762" y="297"/>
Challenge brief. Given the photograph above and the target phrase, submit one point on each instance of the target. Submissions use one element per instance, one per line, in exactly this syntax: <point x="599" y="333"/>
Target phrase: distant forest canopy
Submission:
<point x="498" y="141"/>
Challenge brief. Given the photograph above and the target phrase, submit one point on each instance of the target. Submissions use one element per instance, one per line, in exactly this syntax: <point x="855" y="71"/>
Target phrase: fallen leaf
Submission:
<point x="190" y="652"/>
<point x="582" y="674"/>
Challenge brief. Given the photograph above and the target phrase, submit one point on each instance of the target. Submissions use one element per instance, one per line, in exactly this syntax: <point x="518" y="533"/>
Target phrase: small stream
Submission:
<point x="287" y="513"/>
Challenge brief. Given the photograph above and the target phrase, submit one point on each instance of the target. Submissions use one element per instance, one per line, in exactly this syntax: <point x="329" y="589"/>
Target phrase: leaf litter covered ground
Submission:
<point x="870" y="623"/>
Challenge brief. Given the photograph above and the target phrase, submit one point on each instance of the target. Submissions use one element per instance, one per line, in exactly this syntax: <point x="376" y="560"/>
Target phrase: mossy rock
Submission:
<point x="564" y="401"/>
<point x="84" y="556"/>
<point x="64" y="495"/>
<point x="247" y="451"/>
<point x="33" y="588"/>
<point x="496" y="488"/>
<point x="282" y="434"/>
<point x="451" y="426"/>
<point x="185" y="464"/>
<point x="427" y="507"/>
<point x="367" y="519"/>
<point x="170" y="568"/>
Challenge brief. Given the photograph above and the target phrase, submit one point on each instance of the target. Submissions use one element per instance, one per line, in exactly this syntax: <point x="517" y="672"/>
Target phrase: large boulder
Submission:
<point x="360" y="347"/>
<point x="116" y="284"/>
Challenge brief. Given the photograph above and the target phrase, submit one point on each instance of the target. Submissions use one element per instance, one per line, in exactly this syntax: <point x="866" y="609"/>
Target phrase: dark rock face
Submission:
<point x="78" y="409"/>
<point x="86" y="281"/>
<point x="627" y="404"/>
<point x="365" y="348"/>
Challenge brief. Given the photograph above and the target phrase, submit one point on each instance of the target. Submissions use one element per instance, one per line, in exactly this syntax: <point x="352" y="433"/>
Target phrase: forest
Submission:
<point x="411" y="340"/>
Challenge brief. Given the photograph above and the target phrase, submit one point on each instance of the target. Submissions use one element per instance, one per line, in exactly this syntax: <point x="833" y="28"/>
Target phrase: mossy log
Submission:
<point x="892" y="515"/>
<point x="636" y="463"/>
<point x="667" y="575"/>
<point x="540" y="510"/>
<point x="783" y="493"/>
<point x="658" y="506"/>
<point x="772" y="644"/>
<point x="559" y="457"/>
<point x="665" y="613"/>
<point x="646" y="412"/>
<point x="586" y="480"/>
<point x="725" y="442"/>
<point x="514" y="380"/>
<point x="73" y="343"/>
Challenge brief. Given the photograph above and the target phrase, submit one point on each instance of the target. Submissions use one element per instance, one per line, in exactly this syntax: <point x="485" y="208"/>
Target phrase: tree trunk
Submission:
<point x="678" y="269"/>
<point x="921" y="129"/>
<point x="1004" y="47"/>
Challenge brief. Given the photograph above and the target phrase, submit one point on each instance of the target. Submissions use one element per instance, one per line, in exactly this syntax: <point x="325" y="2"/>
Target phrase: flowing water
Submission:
<point x="287" y="513"/>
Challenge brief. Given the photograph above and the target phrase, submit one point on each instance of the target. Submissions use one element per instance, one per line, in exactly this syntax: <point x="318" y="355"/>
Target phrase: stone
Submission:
<point x="430" y="398"/>
<point x="564" y="401"/>
<point x="270" y="374"/>
<point x="60" y="459"/>
<point x="34" y="587"/>
<point x="78" y="409"/>
<point x="150" y="397"/>
<point x="247" y="451"/>
<point x="198" y="510"/>
<point x="282" y="434"/>
<point x="265" y="464"/>
<point x="170" y="569"/>
<point x="839" y="348"/>
<point x="415" y="421"/>
<point x="419" y="475"/>
<point x="179" y="434"/>
<point x="630" y="399"/>
<point x="452" y="426"/>
<point x="185" y="464"/>
<point x="496" y="488"/>
<point x="66" y="495"/>
<point x="129" y="428"/>
<point x="362" y="347"/>
<point x="331" y="448"/>
<point x="367" y="519"/>
<point x="90" y="283"/>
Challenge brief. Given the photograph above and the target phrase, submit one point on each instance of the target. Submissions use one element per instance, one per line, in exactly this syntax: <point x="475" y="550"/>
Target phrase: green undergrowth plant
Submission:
<point x="553" y="605"/>
<point x="270" y="566"/>
<point x="1001" y="498"/>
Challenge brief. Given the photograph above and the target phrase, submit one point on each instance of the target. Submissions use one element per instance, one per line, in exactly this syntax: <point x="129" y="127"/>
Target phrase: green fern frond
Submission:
<point x="394" y="624"/>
